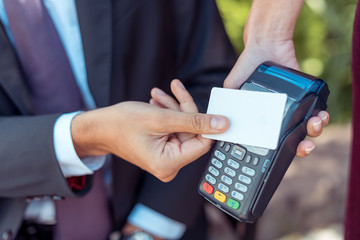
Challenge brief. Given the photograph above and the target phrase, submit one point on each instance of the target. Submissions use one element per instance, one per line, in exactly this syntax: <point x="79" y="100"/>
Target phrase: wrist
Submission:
<point x="272" y="21"/>
<point x="85" y="133"/>
<point x="267" y="33"/>
<point x="266" y="38"/>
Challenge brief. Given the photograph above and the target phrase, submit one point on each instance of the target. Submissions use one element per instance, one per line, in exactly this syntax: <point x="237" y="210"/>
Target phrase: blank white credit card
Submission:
<point x="255" y="117"/>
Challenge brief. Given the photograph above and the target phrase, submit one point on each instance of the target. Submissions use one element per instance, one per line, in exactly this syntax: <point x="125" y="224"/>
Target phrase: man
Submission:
<point x="129" y="47"/>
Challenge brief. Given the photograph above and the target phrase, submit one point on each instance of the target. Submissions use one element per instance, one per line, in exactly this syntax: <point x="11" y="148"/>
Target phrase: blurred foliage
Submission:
<point x="322" y="41"/>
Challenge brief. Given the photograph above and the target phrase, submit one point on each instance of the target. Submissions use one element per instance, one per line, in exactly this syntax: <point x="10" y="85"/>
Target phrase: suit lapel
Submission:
<point x="11" y="78"/>
<point x="95" y="26"/>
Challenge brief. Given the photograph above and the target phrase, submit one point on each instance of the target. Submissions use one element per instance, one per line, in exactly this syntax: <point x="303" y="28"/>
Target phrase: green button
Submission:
<point x="233" y="204"/>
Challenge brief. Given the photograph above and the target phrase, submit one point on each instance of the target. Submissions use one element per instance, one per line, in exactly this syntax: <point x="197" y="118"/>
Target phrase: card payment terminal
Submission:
<point x="240" y="179"/>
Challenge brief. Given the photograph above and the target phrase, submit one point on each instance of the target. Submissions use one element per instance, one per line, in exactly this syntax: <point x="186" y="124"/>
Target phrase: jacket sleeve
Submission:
<point x="28" y="163"/>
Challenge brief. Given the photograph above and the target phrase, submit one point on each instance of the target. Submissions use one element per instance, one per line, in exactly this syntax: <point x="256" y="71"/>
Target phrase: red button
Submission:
<point x="208" y="188"/>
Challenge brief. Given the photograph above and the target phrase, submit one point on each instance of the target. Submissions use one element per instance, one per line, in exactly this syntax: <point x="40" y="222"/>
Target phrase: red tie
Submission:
<point x="53" y="89"/>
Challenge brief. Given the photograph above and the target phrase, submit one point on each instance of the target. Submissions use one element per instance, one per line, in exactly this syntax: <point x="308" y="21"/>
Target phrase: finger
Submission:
<point x="184" y="154"/>
<point x="325" y="117"/>
<point x="187" y="104"/>
<point x="186" y="101"/>
<point x="172" y="121"/>
<point x="154" y="102"/>
<point x="314" y="126"/>
<point x="164" y="99"/>
<point x="304" y="148"/>
<point x="240" y="72"/>
<point x="193" y="149"/>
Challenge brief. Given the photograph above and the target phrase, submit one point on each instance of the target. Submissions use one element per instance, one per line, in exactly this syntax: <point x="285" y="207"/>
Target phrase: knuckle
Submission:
<point x="160" y="172"/>
<point x="196" y="122"/>
<point x="164" y="176"/>
<point x="167" y="178"/>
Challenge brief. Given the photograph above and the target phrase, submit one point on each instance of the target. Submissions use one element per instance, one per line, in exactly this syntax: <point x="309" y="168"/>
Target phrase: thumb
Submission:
<point x="197" y="123"/>
<point x="240" y="72"/>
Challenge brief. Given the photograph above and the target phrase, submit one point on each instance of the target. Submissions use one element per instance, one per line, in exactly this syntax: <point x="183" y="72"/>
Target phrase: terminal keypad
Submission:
<point x="231" y="174"/>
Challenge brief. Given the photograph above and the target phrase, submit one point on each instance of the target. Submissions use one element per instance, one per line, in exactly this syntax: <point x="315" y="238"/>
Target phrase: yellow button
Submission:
<point x="219" y="196"/>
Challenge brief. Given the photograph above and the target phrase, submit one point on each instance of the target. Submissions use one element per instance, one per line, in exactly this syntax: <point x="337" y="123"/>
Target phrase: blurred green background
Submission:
<point x="322" y="41"/>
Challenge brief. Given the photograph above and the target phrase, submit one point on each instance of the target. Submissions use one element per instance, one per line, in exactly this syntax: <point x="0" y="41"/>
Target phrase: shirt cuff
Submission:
<point x="70" y="164"/>
<point x="156" y="223"/>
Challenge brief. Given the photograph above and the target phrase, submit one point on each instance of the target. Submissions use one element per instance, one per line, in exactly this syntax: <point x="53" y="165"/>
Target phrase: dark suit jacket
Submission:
<point x="130" y="46"/>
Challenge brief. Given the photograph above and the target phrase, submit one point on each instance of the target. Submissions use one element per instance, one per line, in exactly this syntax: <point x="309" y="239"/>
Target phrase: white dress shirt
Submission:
<point x="64" y="16"/>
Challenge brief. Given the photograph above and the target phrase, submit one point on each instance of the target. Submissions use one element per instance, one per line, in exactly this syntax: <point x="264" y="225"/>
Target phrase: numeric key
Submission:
<point x="219" y="155"/>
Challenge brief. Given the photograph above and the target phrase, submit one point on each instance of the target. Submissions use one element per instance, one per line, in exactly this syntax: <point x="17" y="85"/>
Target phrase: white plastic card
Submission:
<point x="255" y="117"/>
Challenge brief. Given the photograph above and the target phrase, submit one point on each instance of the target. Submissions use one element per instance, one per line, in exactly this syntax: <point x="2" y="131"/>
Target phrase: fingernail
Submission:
<point x="309" y="150"/>
<point x="218" y="123"/>
<point x="324" y="118"/>
<point x="317" y="126"/>
<point x="159" y="91"/>
<point x="180" y="84"/>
